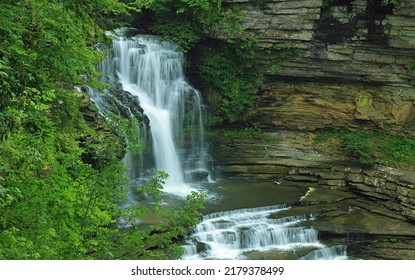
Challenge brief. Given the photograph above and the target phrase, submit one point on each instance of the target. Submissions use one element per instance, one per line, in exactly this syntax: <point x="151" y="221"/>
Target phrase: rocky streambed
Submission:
<point x="371" y="210"/>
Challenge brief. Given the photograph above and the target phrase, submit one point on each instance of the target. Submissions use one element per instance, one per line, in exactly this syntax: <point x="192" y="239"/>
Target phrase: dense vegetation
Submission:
<point x="232" y="70"/>
<point x="369" y="148"/>
<point x="60" y="175"/>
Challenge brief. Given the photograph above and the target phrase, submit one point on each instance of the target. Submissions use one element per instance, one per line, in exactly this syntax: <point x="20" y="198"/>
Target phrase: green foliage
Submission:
<point x="411" y="67"/>
<point x="55" y="204"/>
<point x="353" y="144"/>
<point x="177" y="223"/>
<point x="390" y="2"/>
<point x="61" y="179"/>
<point x="231" y="68"/>
<point x="395" y="150"/>
<point x="244" y="133"/>
<point x="326" y="12"/>
<point x="157" y="241"/>
<point x="258" y="2"/>
<point x="274" y="57"/>
<point x="370" y="148"/>
<point x="237" y="69"/>
<point x="357" y="145"/>
<point x="128" y="129"/>
<point x="276" y="67"/>
<point x="154" y="187"/>
<point x="184" y="21"/>
<point x="180" y="221"/>
<point x="181" y="33"/>
<point x="46" y="45"/>
<point x="388" y="27"/>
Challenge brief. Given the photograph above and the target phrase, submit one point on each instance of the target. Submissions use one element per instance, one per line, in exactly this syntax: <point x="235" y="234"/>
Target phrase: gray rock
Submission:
<point x="408" y="178"/>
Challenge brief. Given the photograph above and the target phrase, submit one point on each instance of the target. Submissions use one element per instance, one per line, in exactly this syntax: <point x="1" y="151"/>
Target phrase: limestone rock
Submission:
<point x="288" y="157"/>
<point x="351" y="70"/>
<point x="408" y="178"/>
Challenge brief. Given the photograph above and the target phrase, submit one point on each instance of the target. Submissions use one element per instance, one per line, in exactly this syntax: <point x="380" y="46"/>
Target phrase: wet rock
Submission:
<point x="299" y="178"/>
<point x="337" y="183"/>
<point x="383" y="248"/>
<point x="408" y="178"/>
<point x="355" y="178"/>
<point x="201" y="247"/>
<point x="322" y="195"/>
<point x="106" y="143"/>
<point x="347" y="169"/>
<point x="256" y="169"/>
<point x="280" y="255"/>
<point x="374" y="181"/>
<point x="199" y="175"/>
<point x="359" y="206"/>
<point x="323" y="174"/>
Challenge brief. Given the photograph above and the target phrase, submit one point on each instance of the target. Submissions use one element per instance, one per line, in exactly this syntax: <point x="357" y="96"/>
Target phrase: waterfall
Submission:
<point x="147" y="83"/>
<point x="152" y="71"/>
<point x="228" y="235"/>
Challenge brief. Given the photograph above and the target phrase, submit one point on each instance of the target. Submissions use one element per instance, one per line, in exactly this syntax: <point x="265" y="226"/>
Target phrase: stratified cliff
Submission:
<point x="353" y="67"/>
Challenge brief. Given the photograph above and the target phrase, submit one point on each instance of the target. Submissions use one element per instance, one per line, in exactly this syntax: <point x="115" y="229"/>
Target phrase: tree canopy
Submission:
<point x="61" y="177"/>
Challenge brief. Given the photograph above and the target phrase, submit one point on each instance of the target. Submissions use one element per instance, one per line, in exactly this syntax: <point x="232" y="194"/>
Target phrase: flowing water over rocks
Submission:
<point x="148" y="84"/>
<point x="148" y="74"/>
<point x="228" y="235"/>
<point x="367" y="209"/>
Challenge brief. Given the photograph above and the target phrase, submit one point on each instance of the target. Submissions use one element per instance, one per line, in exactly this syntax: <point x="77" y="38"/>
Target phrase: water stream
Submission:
<point x="227" y="235"/>
<point x="236" y="232"/>
<point x="152" y="71"/>
<point x="149" y="84"/>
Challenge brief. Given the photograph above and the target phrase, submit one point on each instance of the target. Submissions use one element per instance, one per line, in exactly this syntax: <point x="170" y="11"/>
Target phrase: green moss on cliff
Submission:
<point x="369" y="147"/>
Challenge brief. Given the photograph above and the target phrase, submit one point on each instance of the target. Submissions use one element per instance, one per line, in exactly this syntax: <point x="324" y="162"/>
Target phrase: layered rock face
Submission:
<point x="289" y="158"/>
<point x="373" y="207"/>
<point x="353" y="70"/>
<point x="353" y="67"/>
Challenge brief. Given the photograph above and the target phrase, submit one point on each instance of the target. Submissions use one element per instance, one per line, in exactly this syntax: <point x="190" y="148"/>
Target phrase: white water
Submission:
<point x="228" y="235"/>
<point x="327" y="253"/>
<point x="153" y="71"/>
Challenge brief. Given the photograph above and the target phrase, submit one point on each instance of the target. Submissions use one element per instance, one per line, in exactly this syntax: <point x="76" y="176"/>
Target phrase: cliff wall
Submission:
<point x="353" y="67"/>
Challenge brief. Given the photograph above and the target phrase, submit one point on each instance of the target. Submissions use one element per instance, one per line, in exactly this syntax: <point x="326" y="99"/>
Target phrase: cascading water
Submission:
<point x="148" y="84"/>
<point x="228" y="235"/>
<point x="153" y="71"/>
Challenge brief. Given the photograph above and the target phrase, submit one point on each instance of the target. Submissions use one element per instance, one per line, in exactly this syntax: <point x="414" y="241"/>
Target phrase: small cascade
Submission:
<point x="337" y="252"/>
<point x="228" y="235"/>
<point x="149" y="84"/>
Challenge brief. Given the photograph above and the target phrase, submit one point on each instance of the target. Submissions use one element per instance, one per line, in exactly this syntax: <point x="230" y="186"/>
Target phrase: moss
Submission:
<point x="364" y="101"/>
<point x="369" y="147"/>
<point x="239" y="133"/>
